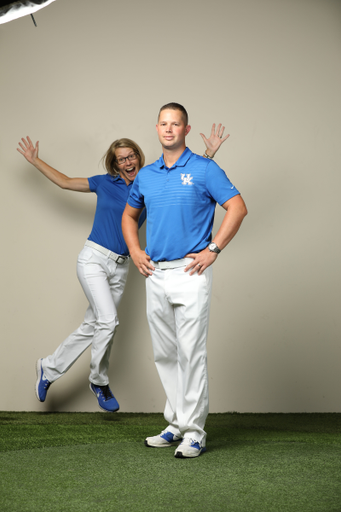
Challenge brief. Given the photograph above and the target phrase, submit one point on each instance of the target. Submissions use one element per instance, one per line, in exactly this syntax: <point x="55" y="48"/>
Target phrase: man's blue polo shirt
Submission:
<point x="180" y="203"/>
<point x="112" y="194"/>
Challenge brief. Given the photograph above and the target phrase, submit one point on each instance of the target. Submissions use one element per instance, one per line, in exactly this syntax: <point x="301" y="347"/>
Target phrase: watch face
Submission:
<point x="213" y="248"/>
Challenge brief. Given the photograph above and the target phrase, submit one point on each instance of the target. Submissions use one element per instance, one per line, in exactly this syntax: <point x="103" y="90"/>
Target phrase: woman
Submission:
<point x="103" y="263"/>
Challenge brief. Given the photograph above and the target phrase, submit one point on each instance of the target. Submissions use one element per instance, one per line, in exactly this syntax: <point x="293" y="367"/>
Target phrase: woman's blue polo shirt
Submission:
<point x="112" y="194"/>
<point x="180" y="203"/>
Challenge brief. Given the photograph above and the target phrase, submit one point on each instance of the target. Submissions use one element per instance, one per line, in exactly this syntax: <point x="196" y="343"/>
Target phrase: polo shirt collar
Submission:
<point x="118" y="178"/>
<point x="181" y="162"/>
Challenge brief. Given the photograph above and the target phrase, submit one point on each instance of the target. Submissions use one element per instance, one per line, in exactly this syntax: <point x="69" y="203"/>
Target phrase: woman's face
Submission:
<point x="128" y="164"/>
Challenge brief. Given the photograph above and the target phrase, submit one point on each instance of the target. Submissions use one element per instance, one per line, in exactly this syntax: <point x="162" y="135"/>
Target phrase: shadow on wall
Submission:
<point x="79" y="207"/>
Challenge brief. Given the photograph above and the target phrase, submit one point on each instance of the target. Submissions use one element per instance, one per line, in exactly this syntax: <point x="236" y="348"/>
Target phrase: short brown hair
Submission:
<point x="109" y="159"/>
<point x="175" y="106"/>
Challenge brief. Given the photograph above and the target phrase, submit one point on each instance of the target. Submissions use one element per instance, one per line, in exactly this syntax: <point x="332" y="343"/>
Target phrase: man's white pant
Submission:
<point x="103" y="281"/>
<point x="178" y="313"/>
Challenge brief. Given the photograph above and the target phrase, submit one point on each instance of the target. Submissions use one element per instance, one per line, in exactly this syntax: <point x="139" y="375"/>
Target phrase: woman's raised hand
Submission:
<point x="28" y="150"/>
<point x="215" y="140"/>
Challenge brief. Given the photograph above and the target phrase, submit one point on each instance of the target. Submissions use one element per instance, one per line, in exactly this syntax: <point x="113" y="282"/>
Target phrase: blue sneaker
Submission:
<point x="189" y="448"/>
<point x="106" y="399"/>
<point x="164" y="439"/>
<point x="42" y="384"/>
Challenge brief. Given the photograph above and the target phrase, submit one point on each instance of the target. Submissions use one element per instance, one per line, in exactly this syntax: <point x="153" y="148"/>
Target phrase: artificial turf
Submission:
<point x="97" y="462"/>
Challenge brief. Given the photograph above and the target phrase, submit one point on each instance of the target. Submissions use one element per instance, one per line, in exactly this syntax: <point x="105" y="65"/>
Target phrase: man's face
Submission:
<point x="171" y="129"/>
<point x="128" y="164"/>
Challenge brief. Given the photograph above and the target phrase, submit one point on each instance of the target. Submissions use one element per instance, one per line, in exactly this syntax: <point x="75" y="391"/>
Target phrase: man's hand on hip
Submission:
<point x="142" y="262"/>
<point x="201" y="261"/>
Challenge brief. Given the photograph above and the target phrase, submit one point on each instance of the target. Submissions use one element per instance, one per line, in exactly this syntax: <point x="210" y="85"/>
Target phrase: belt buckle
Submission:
<point x="123" y="258"/>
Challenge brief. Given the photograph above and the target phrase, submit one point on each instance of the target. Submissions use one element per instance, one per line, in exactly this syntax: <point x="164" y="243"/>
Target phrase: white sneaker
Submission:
<point x="164" y="439"/>
<point x="189" y="448"/>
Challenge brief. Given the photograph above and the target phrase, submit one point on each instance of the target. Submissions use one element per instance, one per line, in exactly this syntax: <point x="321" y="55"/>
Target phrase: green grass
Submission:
<point x="56" y="462"/>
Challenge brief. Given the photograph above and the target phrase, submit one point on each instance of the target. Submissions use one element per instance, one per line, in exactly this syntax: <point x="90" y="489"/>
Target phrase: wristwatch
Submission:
<point x="214" y="248"/>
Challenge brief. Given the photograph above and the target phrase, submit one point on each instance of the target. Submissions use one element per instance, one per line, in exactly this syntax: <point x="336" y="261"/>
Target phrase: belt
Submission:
<point x="112" y="255"/>
<point x="164" y="265"/>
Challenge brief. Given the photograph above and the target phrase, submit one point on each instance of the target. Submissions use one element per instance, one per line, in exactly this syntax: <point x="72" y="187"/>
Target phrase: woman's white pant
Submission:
<point x="103" y="281"/>
<point x="178" y="313"/>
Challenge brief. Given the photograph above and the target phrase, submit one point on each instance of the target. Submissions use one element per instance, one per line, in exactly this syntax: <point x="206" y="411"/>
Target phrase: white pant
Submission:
<point x="103" y="281"/>
<point x="178" y="312"/>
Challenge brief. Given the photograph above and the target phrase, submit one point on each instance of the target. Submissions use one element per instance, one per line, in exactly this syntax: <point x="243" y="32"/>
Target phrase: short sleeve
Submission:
<point x="94" y="182"/>
<point x="136" y="199"/>
<point x="218" y="185"/>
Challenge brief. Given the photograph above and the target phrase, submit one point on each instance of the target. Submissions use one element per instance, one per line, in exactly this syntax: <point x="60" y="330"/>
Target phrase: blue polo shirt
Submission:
<point x="112" y="194"/>
<point x="180" y="203"/>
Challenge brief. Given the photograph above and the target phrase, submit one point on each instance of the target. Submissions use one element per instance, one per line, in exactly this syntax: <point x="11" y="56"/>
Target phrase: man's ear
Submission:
<point x="188" y="129"/>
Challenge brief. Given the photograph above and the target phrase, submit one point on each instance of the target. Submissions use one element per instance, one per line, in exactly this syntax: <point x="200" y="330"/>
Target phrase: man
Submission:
<point x="180" y="192"/>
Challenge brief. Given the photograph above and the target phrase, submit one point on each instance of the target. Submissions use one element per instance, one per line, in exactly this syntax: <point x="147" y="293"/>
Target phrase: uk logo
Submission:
<point x="186" y="179"/>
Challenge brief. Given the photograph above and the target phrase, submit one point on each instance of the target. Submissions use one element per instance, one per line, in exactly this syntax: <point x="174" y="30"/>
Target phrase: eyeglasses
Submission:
<point x="130" y="158"/>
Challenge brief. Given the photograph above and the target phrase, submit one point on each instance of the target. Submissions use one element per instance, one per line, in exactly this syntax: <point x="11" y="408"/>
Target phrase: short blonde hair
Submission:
<point x="109" y="159"/>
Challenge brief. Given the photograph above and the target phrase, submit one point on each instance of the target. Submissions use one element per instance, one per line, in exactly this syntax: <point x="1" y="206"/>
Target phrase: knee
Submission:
<point x="107" y="323"/>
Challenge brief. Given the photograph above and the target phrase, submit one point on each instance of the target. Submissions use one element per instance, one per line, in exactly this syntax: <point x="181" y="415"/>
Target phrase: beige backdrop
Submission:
<point x="95" y="71"/>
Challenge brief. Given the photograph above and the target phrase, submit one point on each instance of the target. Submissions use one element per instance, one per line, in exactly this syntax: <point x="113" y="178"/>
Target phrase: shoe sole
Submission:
<point x="38" y="372"/>
<point x="102" y="409"/>
<point x="179" y="455"/>
<point x="161" y="445"/>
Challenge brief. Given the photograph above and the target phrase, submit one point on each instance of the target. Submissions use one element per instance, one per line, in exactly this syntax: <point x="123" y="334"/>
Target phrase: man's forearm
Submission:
<point x="235" y="213"/>
<point x="130" y="230"/>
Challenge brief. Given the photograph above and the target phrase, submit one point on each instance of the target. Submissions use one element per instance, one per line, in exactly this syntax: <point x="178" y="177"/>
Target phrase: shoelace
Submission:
<point x="190" y="442"/>
<point x="46" y="383"/>
<point x="106" y="392"/>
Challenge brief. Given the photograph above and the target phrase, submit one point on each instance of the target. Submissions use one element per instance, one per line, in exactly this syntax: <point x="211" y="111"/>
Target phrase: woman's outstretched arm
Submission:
<point x="30" y="152"/>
